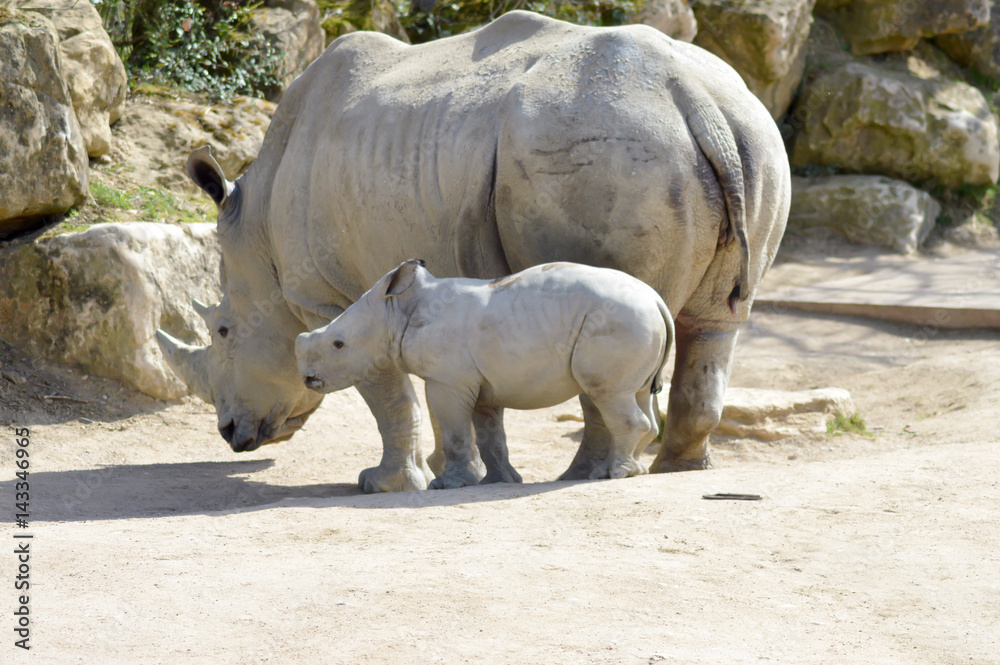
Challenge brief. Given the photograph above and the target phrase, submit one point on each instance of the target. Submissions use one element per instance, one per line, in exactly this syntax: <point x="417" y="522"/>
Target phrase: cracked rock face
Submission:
<point x="869" y="119"/>
<point x="865" y="209"/>
<point x="92" y="68"/>
<point x="43" y="158"/>
<point x="764" y="40"/>
<point x="95" y="298"/>
<point x="877" y="26"/>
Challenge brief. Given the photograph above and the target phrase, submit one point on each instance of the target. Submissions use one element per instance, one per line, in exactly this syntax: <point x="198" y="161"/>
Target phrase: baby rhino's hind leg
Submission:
<point x="629" y="427"/>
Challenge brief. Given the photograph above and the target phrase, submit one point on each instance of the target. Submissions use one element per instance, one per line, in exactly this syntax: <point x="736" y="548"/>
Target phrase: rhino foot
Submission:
<point x="672" y="465"/>
<point x="626" y="467"/>
<point x="451" y="479"/>
<point x="509" y="475"/>
<point x="409" y="478"/>
<point x="584" y="470"/>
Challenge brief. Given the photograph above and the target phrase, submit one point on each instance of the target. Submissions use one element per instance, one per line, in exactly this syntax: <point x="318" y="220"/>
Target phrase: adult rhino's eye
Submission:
<point x="223" y="331"/>
<point x="338" y="344"/>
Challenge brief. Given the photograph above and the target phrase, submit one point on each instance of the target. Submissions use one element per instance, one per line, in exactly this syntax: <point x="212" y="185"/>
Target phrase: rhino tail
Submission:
<point x="716" y="141"/>
<point x="657" y="383"/>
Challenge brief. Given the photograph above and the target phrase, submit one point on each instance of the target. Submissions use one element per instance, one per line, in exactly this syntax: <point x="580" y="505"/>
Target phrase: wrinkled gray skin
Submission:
<point x="528" y="341"/>
<point x="525" y="142"/>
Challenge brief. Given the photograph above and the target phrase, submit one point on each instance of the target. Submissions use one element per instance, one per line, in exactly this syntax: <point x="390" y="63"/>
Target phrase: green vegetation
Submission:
<point x="205" y="46"/>
<point x="844" y="424"/>
<point x="451" y="18"/>
<point x="113" y="198"/>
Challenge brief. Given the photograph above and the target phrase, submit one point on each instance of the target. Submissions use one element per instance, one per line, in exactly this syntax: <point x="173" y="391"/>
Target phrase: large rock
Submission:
<point x="775" y="414"/>
<point x="671" y="17"/>
<point x="978" y="49"/>
<point x="864" y="118"/>
<point x="43" y="159"/>
<point x="96" y="297"/>
<point x="376" y="15"/>
<point x="764" y="40"/>
<point x="158" y="133"/>
<point x="876" y="26"/>
<point x="293" y="28"/>
<point x="93" y="71"/>
<point x="870" y="210"/>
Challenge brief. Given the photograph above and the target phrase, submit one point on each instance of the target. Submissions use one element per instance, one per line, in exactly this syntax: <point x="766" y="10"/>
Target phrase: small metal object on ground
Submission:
<point x="733" y="497"/>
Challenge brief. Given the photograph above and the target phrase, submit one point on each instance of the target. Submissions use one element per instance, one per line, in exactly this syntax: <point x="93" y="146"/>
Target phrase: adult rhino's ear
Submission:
<point x="208" y="175"/>
<point x="403" y="277"/>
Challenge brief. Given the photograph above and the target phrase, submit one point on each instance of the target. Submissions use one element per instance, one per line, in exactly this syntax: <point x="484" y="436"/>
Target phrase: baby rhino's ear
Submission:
<point x="403" y="277"/>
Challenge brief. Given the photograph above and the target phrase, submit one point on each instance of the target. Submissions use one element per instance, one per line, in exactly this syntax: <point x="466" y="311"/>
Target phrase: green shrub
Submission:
<point x="205" y="46"/>
<point x="451" y="18"/>
<point x="844" y="424"/>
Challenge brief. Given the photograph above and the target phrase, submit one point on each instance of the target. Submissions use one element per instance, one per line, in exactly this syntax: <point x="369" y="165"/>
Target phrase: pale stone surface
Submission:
<point x="671" y="17"/>
<point x="764" y="40"/>
<point x="43" y="159"/>
<point x="869" y="210"/>
<point x="92" y="68"/>
<point x="293" y="27"/>
<point x="96" y="297"/>
<point x="953" y="292"/>
<point x="869" y="119"/>
<point x="157" y="135"/>
<point x="876" y="26"/>
<point x="775" y="414"/>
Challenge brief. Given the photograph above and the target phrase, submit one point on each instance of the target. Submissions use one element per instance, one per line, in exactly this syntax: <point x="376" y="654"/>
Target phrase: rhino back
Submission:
<point x="381" y="151"/>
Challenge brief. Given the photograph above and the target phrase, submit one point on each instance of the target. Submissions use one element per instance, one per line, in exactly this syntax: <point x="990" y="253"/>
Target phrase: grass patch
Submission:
<point x="844" y="424"/>
<point x="116" y="198"/>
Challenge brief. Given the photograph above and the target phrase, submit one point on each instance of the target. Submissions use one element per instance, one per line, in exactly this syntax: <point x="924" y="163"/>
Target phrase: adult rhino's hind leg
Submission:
<point x="704" y="353"/>
<point x="394" y="404"/>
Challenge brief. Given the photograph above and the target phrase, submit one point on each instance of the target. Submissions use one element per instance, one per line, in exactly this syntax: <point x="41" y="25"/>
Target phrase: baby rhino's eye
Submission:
<point x="223" y="331"/>
<point x="338" y="344"/>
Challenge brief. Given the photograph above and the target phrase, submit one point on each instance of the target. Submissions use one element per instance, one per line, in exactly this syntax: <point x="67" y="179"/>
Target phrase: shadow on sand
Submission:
<point x="162" y="490"/>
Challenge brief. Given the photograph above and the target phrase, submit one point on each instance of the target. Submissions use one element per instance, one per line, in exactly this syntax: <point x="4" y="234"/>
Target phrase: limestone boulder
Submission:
<point x="293" y="28"/>
<point x="770" y="415"/>
<point x="158" y="133"/>
<point x="43" y="159"/>
<point x="877" y="26"/>
<point x="91" y="66"/>
<point x="863" y="118"/>
<point x="977" y="49"/>
<point x="95" y="298"/>
<point x="763" y="40"/>
<point x="376" y="15"/>
<point x="865" y="209"/>
<point x="674" y="18"/>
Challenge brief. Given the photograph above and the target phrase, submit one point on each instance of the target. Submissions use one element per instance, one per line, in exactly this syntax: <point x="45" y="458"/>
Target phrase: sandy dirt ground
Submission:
<point x="153" y="543"/>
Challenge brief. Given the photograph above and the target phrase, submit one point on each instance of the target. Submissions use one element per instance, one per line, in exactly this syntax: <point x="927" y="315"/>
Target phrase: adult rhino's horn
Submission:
<point x="204" y="311"/>
<point x="190" y="363"/>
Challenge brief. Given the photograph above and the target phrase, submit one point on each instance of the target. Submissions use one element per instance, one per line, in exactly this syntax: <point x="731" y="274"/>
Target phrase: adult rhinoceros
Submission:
<point x="528" y="141"/>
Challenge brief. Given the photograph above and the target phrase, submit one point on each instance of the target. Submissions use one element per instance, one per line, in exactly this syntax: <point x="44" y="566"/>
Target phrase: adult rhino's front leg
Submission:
<point x="394" y="404"/>
<point x="704" y="354"/>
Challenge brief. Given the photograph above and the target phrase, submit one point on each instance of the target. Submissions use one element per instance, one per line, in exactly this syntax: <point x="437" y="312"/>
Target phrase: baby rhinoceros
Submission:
<point x="527" y="341"/>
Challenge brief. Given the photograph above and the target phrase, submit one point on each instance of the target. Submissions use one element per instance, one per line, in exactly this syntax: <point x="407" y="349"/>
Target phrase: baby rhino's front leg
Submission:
<point x="492" y="443"/>
<point x="453" y="411"/>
